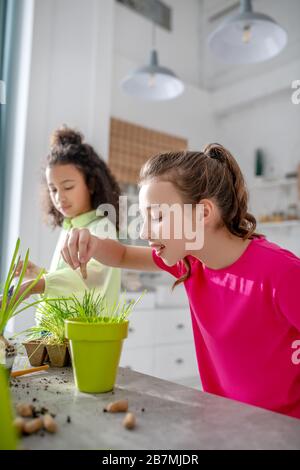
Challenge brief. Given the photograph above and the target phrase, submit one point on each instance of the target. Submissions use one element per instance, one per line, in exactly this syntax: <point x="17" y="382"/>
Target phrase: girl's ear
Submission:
<point x="209" y="209"/>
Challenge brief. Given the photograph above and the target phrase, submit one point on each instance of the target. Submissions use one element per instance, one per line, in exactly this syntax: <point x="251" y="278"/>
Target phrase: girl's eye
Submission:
<point x="52" y="190"/>
<point x="71" y="187"/>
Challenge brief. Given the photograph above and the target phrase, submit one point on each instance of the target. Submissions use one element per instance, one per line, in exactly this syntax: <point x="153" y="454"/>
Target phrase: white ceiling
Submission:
<point x="215" y="74"/>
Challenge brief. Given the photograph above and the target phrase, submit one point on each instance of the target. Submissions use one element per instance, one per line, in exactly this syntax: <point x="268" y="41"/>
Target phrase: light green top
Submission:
<point x="62" y="281"/>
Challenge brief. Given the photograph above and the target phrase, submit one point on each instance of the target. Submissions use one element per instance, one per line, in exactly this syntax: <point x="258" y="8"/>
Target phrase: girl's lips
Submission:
<point x="158" y="248"/>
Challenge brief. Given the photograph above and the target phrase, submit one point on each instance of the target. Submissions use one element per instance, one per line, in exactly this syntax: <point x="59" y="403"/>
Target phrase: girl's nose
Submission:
<point x="60" y="197"/>
<point x="144" y="232"/>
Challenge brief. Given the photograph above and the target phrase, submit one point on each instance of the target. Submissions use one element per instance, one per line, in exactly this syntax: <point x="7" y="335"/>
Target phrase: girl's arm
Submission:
<point x="80" y="246"/>
<point x="32" y="270"/>
<point x="37" y="289"/>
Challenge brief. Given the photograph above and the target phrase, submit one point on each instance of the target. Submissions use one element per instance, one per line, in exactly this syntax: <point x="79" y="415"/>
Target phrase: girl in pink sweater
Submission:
<point x="242" y="289"/>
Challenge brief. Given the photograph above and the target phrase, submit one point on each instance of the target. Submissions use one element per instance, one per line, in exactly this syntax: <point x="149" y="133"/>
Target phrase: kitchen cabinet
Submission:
<point x="160" y="338"/>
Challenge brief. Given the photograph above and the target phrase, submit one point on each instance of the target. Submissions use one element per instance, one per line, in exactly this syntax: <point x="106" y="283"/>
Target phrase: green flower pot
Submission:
<point x="95" y="350"/>
<point x="8" y="437"/>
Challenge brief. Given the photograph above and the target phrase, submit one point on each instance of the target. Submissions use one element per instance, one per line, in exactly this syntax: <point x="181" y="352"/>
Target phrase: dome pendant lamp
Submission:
<point x="247" y="37"/>
<point x="153" y="82"/>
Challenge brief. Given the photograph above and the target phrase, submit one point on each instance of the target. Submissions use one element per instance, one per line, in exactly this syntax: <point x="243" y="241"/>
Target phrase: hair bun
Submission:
<point x="215" y="151"/>
<point x="65" y="136"/>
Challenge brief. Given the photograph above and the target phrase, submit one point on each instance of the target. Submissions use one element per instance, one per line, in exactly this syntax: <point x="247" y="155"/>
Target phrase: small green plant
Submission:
<point x="93" y="309"/>
<point x="50" y="316"/>
<point x="13" y="296"/>
<point x="96" y="333"/>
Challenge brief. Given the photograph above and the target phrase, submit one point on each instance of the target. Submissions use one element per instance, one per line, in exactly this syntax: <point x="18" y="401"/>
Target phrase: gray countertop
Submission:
<point x="174" y="417"/>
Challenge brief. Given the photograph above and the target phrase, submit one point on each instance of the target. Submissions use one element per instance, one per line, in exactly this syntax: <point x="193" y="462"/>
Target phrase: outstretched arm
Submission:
<point x="80" y="246"/>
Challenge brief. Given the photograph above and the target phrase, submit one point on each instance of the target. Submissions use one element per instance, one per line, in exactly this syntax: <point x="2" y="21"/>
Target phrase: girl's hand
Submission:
<point x="39" y="288"/>
<point x="79" y="247"/>
<point x="31" y="272"/>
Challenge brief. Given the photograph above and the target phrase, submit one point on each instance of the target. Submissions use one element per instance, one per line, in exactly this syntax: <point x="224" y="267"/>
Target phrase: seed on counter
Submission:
<point x="32" y="426"/>
<point x="129" y="421"/>
<point x="68" y="419"/>
<point x="19" y="424"/>
<point x="44" y="410"/>
<point x="117" y="406"/>
<point x="25" y="410"/>
<point x="49" y="424"/>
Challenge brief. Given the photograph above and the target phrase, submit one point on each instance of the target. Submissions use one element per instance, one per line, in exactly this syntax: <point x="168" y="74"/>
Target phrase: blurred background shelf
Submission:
<point x="282" y="224"/>
<point x="266" y="183"/>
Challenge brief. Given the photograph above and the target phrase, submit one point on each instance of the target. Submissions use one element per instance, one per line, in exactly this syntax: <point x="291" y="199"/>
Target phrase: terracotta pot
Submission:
<point x="58" y="355"/>
<point x="36" y="352"/>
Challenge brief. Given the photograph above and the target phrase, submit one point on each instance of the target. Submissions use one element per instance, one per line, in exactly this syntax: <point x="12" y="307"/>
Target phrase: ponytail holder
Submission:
<point x="218" y="157"/>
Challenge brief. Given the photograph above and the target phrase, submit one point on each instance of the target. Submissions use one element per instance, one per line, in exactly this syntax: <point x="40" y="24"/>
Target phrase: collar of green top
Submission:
<point x="82" y="220"/>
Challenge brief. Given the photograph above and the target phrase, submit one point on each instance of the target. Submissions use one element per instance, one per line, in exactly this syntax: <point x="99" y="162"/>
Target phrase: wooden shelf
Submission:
<point x="273" y="183"/>
<point x="282" y="224"/>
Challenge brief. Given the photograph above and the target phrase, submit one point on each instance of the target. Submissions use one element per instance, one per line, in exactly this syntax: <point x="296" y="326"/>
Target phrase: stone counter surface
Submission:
<point x="169" y="416"/>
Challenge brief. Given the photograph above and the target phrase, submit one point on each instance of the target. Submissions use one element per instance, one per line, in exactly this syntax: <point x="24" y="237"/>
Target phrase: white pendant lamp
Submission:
<point x="153" y="82"/>
<point x="248" y="37"/>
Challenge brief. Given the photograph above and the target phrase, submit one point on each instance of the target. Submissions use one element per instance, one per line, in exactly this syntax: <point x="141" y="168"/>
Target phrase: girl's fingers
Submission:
<point x="63" y="256"/>
<point x="89" y="250"/>
<point x="19" y="268"/>
<point x="65" y="252"/>
<point x="73" y="247"/>
<point x="83" y="270"/>
<point x="83" y="244"/>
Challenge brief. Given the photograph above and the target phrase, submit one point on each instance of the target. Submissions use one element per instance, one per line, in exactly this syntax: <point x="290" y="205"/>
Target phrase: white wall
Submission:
<point x="70" y="82"/>
<point x="259" y="113"/>
<point x="188" y="116"/>
<point x="179" y="49"/>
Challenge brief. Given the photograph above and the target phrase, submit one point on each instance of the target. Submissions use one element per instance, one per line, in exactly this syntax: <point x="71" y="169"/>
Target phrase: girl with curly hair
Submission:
<point x="76" y="182"/>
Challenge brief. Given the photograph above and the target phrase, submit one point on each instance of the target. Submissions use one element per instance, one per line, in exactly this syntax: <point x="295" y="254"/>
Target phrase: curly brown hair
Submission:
<point x="68" y="147"/>
<point x="211" y="174"/>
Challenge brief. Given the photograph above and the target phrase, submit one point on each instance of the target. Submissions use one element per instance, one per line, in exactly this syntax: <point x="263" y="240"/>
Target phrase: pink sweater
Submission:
<point x="246" y="323"/>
